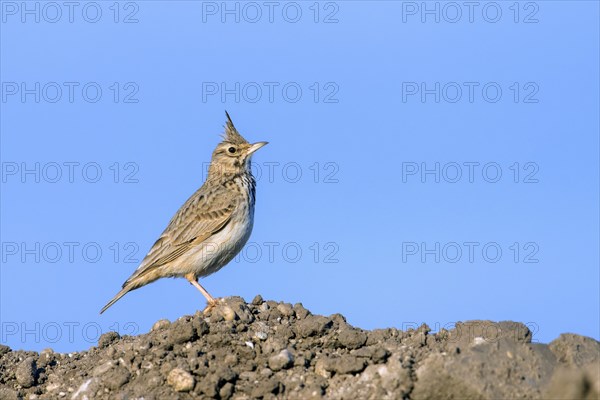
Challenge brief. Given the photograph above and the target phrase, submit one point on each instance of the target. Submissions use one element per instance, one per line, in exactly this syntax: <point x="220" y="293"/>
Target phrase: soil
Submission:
<point x="268" y="349"/>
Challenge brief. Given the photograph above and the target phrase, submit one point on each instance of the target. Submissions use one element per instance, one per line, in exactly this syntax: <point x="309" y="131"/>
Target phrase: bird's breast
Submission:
<point x="223" y="246"/>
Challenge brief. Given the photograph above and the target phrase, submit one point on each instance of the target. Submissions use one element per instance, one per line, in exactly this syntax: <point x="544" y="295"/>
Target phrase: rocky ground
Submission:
<point x="270" y="350"/>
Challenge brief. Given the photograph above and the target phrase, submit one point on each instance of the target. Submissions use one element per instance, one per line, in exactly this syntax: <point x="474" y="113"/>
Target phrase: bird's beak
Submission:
<point x="256" y="146"/>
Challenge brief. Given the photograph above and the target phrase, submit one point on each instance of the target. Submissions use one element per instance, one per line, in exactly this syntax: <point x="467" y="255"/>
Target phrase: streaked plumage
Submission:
<point x="211" y="227"/>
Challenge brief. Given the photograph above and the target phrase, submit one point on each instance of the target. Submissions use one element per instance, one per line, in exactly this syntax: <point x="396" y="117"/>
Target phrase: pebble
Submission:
<point x="180" y="380"/>
<point x="283" y="360"/>
<point x="261" y="331"/>
<point x="352" y="338"/>
<point x="226" y="391"/>
<point x="4" y="349"/>
<point x="103" y="368"/>
<point x="106" y="339"/>
<point x="312" y="325"/>
<point x="228" y="313"/>
<point x="286" y="309"/>
<point x="26" y="372"/>
<point x="182" y="332"/>
<point x="160" y="324"/>
<point x="345" y="364"/>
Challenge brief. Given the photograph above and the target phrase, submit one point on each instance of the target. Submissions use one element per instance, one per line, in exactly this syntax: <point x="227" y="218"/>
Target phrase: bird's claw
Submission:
<point x="210" y="305"/>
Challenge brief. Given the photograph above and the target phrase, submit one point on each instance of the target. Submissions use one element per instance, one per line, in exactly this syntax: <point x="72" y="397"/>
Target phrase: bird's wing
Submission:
<point x="203" y="214"/>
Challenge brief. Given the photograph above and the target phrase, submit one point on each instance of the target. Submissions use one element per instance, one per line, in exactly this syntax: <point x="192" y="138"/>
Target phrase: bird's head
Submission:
<point x="233" y="155"/>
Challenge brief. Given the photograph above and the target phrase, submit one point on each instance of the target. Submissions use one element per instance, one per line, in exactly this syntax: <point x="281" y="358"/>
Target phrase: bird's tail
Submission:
<point x="122" y="292"/>
<point x="139" y="278"/>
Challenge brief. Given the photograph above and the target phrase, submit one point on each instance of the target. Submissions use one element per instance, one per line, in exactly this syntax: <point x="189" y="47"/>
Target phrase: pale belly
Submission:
<point x="214" y="253"/>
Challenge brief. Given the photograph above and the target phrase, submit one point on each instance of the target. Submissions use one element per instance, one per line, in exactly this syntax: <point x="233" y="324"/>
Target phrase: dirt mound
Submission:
<point x="267" y="350"/>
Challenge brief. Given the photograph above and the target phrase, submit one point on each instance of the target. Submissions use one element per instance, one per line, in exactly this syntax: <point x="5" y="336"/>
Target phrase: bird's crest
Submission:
<point x="231" y="134"/>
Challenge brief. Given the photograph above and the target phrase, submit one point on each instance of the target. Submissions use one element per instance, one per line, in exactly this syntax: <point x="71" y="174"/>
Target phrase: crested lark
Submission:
<point x="211" y="227"/>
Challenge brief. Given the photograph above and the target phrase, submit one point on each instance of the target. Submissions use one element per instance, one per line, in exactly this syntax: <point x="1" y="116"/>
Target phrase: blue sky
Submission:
<point x="425" y="165"/>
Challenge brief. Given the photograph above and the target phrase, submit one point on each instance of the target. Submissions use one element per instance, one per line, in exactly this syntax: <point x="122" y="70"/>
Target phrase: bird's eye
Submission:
<point x="231" y="150"/>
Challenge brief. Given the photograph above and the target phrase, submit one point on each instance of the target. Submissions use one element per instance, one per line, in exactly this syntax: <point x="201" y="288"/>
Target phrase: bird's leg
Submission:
<point x="211" y="301"/>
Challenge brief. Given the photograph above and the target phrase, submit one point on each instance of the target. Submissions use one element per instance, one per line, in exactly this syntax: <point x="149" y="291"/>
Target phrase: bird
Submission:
<point x="211" y="227"/>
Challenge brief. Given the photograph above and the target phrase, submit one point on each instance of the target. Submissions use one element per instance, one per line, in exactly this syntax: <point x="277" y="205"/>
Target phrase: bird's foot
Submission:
<point x="210" y="305"/>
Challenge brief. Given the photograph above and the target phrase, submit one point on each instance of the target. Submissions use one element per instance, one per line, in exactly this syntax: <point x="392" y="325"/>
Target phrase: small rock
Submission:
<point x="228" y="313"/>
<point x="323" y="368"/>
<point x="46" y="357"/>
<point x="283" y="360"/>
<point x="201" y="326"/>
<point x="464" y="333"/>
<point x="286" y="309"/>
<point x="576" y="350"/>
<point x="300" y="311"/>
<point x="180" y="380"/>
<point x="261" y="331"/>
<point x="106" y="339"/>
<point x="348" y="364"/>
<point x="26" y="372"/>
<point x="103" y="368"/>
<point x="8" y="394"/>
<point x="264" y="307"/>
<point x="181" y="332"/>
<point x="116" y="378"/>
<point x="261" y="335"/>
<point x="226" y="391"/>
<point x="375" y="353"/>
<point x="160" y="324"/>
<point x="226" y="374"/>
<point x="243" y="313"/>
<point x="345" y="364"/>
<point x="352" y="338"/>
<point x="377" y="336"/>
<point x="265" y="388"/>
<point x="257" y="300"/>
<point x="4" y="349"/>
<point x="209" y="386"/>
<point x="312" y="325"/>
